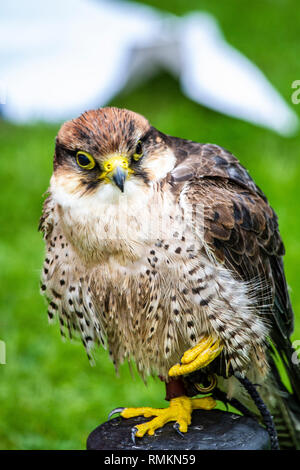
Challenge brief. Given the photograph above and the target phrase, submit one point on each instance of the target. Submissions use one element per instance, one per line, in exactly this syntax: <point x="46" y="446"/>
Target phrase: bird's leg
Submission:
<point x="181" y="406"/>
<point x="179" y="410"/>
<point x="197" y="357"/>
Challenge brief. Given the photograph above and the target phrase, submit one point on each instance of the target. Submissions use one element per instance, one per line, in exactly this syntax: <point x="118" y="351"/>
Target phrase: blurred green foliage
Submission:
<point x="50" y="396"/>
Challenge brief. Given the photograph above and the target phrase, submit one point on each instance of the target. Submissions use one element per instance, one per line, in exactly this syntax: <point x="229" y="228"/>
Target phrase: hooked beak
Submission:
<point x="116" y="169"/>
<point x="119" y="177"/>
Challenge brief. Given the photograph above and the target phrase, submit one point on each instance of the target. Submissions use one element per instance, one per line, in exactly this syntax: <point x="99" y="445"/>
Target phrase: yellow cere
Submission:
<point x="112" y="163"/>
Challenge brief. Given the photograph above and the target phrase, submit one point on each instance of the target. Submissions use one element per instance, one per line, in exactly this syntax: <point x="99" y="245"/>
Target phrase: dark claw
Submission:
<point x="116" y="410"/>
<point x="134" y="430"/>
<point x="176" y="427"/>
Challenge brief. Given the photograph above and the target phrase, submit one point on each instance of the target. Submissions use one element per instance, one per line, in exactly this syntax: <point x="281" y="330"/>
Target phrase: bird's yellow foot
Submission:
<point x="197" y="357"/>
<point x="180" y="411"/>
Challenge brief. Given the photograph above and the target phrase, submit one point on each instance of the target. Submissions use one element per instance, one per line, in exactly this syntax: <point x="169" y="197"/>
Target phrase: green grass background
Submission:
<point x="50" y="397"/>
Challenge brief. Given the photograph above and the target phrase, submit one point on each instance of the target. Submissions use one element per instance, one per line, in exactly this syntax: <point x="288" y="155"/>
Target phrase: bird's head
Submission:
<point x="106" y="153"/>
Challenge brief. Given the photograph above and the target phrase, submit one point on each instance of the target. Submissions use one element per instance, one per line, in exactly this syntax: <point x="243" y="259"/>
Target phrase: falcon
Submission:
<point x="166" y="252"/>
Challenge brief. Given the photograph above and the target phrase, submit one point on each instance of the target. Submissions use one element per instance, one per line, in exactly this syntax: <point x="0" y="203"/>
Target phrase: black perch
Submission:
<point x="209" y="430"/>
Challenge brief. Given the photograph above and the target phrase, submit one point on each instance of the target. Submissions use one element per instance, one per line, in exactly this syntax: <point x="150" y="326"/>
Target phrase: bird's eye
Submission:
<point x="138" y="151"/>
<point x="85" y="160"/>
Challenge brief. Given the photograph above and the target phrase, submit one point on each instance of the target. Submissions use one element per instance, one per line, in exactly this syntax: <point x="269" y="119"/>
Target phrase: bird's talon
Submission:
<point x="176" y="426"/>
<point x="134" y="431"/>
<point x="115" y="411"/>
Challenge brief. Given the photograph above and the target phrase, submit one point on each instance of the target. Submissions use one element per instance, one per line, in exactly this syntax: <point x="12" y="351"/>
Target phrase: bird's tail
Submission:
<point x="284" y="405"/>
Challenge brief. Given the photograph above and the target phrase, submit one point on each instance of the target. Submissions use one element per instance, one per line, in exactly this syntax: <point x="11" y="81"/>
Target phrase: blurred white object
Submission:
<point x="60" y="58"/>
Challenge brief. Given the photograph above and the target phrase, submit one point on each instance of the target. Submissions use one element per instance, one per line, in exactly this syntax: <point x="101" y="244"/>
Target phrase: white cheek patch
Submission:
<point x="161" y="165"/>
<point x="107" y="195"/>
<point x="62" y="193"/>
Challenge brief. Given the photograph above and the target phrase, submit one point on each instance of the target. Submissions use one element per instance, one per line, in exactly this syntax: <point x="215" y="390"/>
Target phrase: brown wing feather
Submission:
<point x="46" y="219"/>
<point x="240" y="227"/>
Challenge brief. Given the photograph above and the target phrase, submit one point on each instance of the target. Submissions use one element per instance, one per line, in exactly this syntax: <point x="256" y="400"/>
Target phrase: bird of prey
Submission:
<point x="166" y="252"/>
